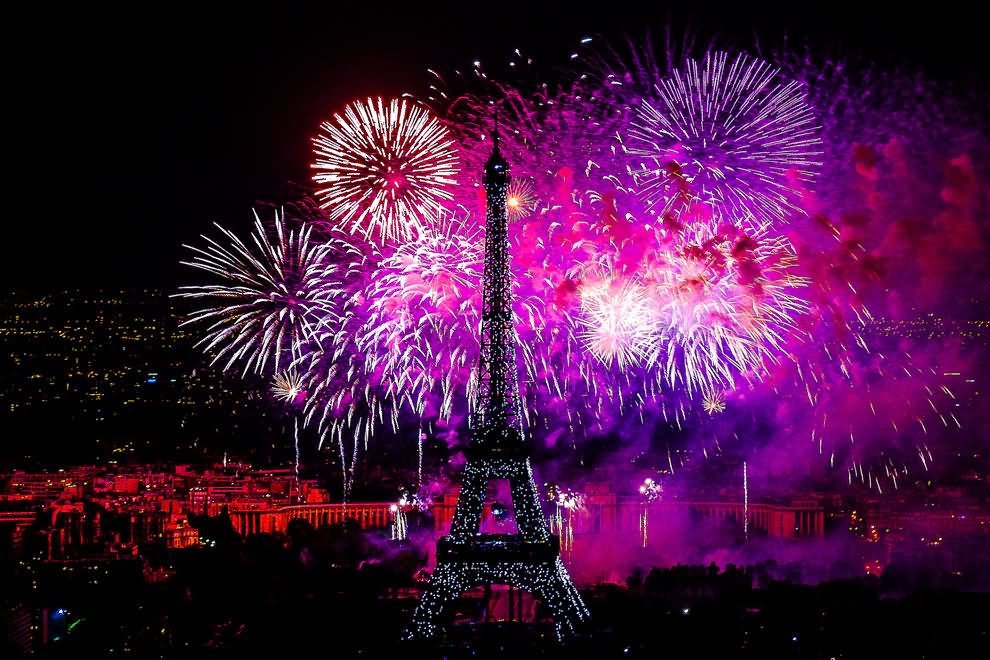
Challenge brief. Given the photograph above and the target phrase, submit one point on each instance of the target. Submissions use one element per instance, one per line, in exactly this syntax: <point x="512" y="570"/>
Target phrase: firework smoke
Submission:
<point x="688" y="234"/>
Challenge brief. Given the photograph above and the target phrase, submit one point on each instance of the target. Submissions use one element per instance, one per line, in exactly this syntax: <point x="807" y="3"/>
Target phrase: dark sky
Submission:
<point x="135" y="127"/>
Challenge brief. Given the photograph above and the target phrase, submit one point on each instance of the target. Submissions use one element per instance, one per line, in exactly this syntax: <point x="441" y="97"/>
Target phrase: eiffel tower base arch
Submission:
<point x="546" y="580"/>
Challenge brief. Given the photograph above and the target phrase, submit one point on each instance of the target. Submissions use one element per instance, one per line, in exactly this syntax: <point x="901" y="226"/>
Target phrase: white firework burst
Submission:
<point x="287" y="386"/>
<point x="384" y="168"/>
<point x="275" y="289"/>
<point x="616" y="320"/>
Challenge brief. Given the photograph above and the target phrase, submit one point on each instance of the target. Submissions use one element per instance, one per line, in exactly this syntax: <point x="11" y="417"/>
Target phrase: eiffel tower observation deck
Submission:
<point x="530" y="559"/>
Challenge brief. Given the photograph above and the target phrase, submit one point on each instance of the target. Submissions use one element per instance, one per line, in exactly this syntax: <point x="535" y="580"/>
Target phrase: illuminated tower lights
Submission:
<point x="529" y="560"/>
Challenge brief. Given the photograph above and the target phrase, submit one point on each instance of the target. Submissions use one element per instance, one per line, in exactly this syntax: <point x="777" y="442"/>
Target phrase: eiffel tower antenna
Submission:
<point x="529" y="560"/>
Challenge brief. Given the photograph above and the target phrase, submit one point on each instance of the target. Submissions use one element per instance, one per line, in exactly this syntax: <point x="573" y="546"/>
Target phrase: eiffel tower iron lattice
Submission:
<point x="529" y="560"/>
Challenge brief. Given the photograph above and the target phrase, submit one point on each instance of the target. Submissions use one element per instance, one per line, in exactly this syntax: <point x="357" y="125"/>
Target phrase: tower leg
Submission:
<point x="525" y="498"/>
<point x="530" y="521"/>
<point x="447" y="583"/>
<point x="549" y="582"/>
<point x="474" y="488"/>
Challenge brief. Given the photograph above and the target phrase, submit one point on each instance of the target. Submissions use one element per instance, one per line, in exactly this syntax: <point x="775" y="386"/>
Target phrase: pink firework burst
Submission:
<point x="726" y="301"/>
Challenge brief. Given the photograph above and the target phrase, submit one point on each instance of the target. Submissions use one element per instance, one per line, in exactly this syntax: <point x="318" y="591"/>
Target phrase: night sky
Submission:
<point x="134" y="128"/>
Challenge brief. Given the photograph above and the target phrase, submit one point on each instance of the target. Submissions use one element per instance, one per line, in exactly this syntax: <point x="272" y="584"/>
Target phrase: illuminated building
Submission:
<point x="529" y="559"/>
<point x="247" y="519"/>
<point x="179" y="534"/>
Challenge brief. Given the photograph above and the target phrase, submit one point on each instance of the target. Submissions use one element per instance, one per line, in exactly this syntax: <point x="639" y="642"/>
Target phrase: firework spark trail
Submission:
<point x="866" y="410"/>
<point x="295" y="444"/>
<point x="275" y="288"/>
<point x="745" y="475"/>
<point x="399" y="523"/>
<point x="385" y="167"/>
<point x="566" y="503"/>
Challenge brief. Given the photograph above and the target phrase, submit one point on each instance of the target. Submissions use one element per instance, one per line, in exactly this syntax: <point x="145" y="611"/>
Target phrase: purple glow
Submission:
<point x="676" y="260"/>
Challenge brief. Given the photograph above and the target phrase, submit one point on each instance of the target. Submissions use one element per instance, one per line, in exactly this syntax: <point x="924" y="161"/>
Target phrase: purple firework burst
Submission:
<point x="728" y="133"/>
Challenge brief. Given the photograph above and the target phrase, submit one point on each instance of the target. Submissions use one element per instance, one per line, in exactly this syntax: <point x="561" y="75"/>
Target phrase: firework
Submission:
<point x="714" y="403"/>
<point x="621" y="326"/>
<point x="566" y="502"/>
<point x="727" y="303"/>
<point x="384" y="167"/>
<point x="745" y="476"/>
<point x="650" y="276"/>
<point x="520" y="201"/>
<point x="726" y="132"/>
<point x="276" y="288"/>
<point x="342" y="403"/>
<point x="651" y="490"/>
<point x="617" y="321"/>
<point x="424" y="310"/>
<point x="869" y="412"/>
<point x="288" y="386"/>
<point x="866" y="398"/>
<point x="399" y="524"/>
<point x="409" y="501"/>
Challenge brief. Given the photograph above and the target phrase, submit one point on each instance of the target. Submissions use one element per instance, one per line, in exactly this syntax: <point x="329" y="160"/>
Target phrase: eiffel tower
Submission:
<point x="529" y="560"/>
